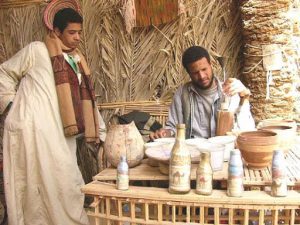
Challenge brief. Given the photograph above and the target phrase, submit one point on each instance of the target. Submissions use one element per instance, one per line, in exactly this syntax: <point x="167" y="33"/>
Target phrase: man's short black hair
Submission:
<point x="192" y="54"/>
<point x="65" y="16"/>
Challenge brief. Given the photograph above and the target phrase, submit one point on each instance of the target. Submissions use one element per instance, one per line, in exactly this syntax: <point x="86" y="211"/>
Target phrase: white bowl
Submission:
<point x="228" y="141"/>
<point x="195" y="141"/>
<point x="153" y="145"/>
<point x="162" y="153"/>
<point x="168" y="140"/>
<point x="216" y="154"/>
<point x="157" y="146"/>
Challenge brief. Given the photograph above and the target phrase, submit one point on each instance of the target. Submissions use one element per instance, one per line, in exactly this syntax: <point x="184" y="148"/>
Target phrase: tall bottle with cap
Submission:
<point x="279" y="182"/>
<point x="180" y="164"/>
<point x="235" y="187"/>
<point x="122" y="174"/>
<point x="204" y="175"/>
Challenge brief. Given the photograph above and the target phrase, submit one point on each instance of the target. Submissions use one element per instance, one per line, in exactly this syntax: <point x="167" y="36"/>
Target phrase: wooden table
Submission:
<point x="253" y="179"/>
<point x="150" y="205"/>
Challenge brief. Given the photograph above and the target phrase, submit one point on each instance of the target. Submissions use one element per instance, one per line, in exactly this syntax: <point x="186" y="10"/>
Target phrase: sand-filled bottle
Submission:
<point x="122" y="174"/>
<point x="235" y="187"/>
<point x="279" y="184"/>
<point x="204" y="175"/>
<point x="180" y="164"/>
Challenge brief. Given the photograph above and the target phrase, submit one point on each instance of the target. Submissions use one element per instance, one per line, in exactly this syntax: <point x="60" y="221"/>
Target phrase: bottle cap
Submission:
<point x="123" y="157"/>
<point x="235" y="152"/>
<point x="205" y="155"/>
<point x="180" y="125"/>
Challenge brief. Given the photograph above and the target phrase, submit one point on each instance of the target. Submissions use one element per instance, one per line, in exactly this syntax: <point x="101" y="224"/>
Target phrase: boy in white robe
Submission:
<point x="41" y="176"/>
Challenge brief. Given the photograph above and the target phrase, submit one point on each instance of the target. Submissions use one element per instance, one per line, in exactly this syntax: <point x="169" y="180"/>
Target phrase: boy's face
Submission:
<point x="70" y="37"/>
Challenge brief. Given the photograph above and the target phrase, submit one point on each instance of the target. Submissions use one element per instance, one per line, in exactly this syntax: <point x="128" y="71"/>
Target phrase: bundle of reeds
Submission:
<point x="265" y="23"/>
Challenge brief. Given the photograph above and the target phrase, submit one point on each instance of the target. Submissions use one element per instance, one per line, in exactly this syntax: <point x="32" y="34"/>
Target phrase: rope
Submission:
<point x="269" y="76"/>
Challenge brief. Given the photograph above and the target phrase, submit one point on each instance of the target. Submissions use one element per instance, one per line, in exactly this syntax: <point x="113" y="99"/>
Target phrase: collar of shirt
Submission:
<point x="219" y="94"/>
<point x="73" y="64"/>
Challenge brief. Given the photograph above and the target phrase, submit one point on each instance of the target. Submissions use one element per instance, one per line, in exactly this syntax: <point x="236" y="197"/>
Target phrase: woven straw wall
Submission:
<point x="143" y="65"/>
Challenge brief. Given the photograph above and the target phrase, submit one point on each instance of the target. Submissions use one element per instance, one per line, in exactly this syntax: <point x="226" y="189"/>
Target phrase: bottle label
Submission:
<point x="279" y="187"/>
<point x="179" y="177"/>
<point x="122" y="182"/>
<point x="204" y="183"/>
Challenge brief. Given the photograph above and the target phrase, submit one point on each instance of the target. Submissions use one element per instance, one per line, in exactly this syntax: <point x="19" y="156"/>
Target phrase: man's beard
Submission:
<point x="206" y="87"/>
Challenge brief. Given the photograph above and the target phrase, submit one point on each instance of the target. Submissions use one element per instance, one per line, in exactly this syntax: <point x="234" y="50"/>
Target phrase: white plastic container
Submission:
<point x="228" y="141"/>
<point x="216" y="154"/>
<point x="194" y="142"/>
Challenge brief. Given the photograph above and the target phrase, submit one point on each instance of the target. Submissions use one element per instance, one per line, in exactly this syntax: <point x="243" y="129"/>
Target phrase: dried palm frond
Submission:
<point x="18" y="3"/>
<point x="142" y="65"/>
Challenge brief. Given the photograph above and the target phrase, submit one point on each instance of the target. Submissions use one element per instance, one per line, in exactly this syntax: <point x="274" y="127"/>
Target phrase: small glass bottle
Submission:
<point x="122" y="174"/>
<point x="180" y="164"/>
<point x="204" y="175"/>
<point x="279" y="184"/>
<point x="235" y="186"/>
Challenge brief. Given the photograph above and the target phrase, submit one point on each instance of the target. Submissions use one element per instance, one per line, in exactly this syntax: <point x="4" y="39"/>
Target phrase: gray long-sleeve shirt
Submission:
<point x="203" y="121"/>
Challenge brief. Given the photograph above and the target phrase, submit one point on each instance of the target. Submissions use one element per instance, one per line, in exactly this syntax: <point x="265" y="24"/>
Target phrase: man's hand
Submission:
<point x="234" y="86"/>
<point x="161" y="133"/>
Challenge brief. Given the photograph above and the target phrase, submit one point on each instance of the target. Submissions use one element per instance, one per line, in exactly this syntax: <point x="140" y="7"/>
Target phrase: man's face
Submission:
<point x="70" y="37"/>
<point x="201" y="73"/>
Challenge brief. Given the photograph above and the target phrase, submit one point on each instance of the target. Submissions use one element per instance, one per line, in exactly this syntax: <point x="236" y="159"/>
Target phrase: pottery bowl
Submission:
<point x="286" y="136"/>
<point x="277" y="122"/>
<point x="257" y="147"/>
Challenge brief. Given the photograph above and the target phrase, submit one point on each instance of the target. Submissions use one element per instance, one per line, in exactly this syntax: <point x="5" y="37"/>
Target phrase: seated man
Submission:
<point x="197" y="102"/>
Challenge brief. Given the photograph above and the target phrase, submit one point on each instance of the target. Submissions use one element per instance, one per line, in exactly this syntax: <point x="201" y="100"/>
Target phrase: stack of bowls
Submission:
<point x="277" y="122"/>
<point x="257" y="147"/>
<point x="159" y="152"/>
<point x="153" y="145"/>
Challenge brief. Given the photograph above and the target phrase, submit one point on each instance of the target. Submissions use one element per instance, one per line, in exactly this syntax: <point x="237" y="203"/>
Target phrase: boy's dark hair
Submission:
<point x="192" y="54"/>
<point x="65" y="16"/>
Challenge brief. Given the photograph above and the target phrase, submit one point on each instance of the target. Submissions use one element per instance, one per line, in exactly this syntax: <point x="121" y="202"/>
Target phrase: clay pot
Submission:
<point x="286" y="136"/>
<point x="257" y="147"/>
<point x="124" y="139"/>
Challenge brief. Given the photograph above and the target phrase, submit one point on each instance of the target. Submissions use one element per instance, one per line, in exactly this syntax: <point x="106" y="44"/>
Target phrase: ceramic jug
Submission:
<point x="124" y="139"/>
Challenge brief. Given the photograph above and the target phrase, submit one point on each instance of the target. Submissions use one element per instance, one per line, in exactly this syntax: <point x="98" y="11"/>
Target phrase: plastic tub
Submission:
<point x="228" y="141"/>
<point x="216" y="154"/>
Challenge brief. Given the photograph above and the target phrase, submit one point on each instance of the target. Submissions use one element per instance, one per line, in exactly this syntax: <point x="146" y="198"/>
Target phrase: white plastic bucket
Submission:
<point x="228" y="141"/>
<point x="216" y="154"/>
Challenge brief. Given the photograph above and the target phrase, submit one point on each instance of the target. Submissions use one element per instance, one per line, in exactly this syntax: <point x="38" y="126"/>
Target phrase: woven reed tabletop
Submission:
<point x="252" y="178"/>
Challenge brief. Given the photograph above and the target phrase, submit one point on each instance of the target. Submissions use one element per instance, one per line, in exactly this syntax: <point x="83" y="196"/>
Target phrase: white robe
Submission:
<point x="41" y="177"/>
